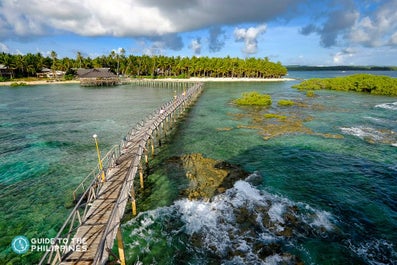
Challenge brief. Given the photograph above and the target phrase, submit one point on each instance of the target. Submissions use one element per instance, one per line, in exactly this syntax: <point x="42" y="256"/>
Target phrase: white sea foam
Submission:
<point x="274" y="260"/>
<point x="247" y="192"/>
<point x="373" y="251"/>
<point x="323" y="219"/>
<point x="193" y="213"/>
<point x="390" y="106"/>
<point x="362" y="132"/>
<point x="371" y="134"/>
<point x="233" y="226"/>
<point x="276" y="213"/>
<point x="381" y="121"/>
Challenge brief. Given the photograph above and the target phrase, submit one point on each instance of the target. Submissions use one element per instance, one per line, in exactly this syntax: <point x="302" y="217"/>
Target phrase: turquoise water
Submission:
<point x="46" y="149"/>
<point x="333" y="187"/>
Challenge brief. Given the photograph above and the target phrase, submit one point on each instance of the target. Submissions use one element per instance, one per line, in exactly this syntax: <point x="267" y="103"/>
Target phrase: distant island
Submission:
<point x="367" y="83"/>
<point x="340" y="68"/>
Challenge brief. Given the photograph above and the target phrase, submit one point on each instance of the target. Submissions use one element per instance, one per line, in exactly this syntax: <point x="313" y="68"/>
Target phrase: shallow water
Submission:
<point x="46" y="149"/>
<point x="342" y="177"/>
<point x="324" y="196"/>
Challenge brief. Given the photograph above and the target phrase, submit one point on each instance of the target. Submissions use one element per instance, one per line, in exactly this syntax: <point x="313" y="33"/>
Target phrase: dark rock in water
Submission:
<point x="208" y="177"/>
<point x="235" y="173"/>
<point x="254" y="179"/>
<point x="244" y="219"/>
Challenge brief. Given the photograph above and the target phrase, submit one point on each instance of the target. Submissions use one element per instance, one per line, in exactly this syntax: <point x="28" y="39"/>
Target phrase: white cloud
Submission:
<point x="4" y="48"/>
<point x="249" y="37"/>
<point x="131" y="17"/>
<point x="378" y="28"/>
<point x="342" y="56"/>
<point x="348" y="22"/>
<point x="393" y="39"/>
<point x="195" y="45"/>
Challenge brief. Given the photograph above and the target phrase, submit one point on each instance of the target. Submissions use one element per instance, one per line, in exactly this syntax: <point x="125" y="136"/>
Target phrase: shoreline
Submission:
<point x="40" y="82"/>
<point x="192" y="79"/>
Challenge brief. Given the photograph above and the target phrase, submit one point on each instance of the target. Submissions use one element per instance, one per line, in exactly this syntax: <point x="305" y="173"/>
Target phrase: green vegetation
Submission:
<point x="254" y="99"/>
<point x="374" y="84"/>
<point x="156" y="66"/>
<point x="340" y="68"/>
<point x="310" y="93"/>
<point x="285" y="102"/>
<point x="15" y="84"/>
<point x="275" y="116"/>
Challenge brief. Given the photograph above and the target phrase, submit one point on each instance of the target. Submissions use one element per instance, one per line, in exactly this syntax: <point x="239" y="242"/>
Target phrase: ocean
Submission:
<point x="321" y="185"/>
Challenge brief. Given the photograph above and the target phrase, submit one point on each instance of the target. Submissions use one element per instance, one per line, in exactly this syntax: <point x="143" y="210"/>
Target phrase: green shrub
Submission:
<point x="285" y="102"/>
<point x="275" y="116"/>
<point x="367" y="83"/>
<point x="254" y="99"/>
<point x="15" y="84"/>
<point x="310" y="93"/>
<point x="68" y="77"/>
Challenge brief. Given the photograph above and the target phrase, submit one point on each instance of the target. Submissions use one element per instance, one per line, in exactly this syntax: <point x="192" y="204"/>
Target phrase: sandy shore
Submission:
<point x="192" y="79"/>
<point x="40" y="82"/>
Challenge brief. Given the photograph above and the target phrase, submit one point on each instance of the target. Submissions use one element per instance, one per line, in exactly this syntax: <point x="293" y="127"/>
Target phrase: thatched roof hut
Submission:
<point x="97" y="77"/>
<point x="6" y="71"/>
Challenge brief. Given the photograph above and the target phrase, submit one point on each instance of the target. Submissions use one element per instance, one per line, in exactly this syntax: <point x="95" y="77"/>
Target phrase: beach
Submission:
<point x="192" y="79"/>
<point x="39" y="82"/>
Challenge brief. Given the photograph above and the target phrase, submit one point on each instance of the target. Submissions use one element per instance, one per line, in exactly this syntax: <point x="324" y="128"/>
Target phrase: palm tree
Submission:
<point x="147" y="65"/>
<point x="54" y="61"/>
<point x="79" y="58"/>
<point x="20" y="64"/>
<point x="122" y="53"/>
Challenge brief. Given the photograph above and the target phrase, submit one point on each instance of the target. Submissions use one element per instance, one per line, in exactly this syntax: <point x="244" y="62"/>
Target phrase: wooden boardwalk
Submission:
<point x="88" y="234"/>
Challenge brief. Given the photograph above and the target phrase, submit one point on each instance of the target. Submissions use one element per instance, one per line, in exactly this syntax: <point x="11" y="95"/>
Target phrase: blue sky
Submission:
<point x="308" y="32"/>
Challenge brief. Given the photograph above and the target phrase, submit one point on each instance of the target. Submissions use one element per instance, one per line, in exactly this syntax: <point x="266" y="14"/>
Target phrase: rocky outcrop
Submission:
<point x="207" y="176"/>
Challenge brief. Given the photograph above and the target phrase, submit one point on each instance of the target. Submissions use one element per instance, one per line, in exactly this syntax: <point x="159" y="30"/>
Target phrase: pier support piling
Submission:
<point x="141" y="176"/>
<point x="120" y="246"/>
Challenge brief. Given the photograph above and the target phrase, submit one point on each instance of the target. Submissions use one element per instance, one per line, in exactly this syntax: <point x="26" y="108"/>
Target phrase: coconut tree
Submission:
<point x="79" y="59"/>
<point x="20" y="64"/>
<point x="53" y="56"/>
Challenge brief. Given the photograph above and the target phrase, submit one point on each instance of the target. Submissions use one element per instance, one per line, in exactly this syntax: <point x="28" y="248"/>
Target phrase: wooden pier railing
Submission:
<point x="88" y="234"/>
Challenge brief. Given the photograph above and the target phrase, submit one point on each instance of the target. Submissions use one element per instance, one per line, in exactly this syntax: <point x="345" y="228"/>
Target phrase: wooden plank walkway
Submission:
<point x="93" y="225"/>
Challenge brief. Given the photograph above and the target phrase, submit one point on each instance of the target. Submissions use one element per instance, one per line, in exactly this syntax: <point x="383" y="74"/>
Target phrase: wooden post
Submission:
<point x="146" y="157"/>
<point x="133" y="201"/>
<point x="120" y="246"/>
<point x="152" y="145"/>
<point x="141" y="175"/>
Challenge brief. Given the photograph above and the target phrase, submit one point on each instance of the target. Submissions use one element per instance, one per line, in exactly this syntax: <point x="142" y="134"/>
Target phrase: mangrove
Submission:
<point x="367" y="83"/>
<point x="254" y="98"/>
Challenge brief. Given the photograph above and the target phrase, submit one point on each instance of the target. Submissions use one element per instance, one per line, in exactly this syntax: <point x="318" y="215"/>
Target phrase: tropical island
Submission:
<point x="32" y="67"/>
<point x="340" y="68"/>
<point x="367" y="83"/>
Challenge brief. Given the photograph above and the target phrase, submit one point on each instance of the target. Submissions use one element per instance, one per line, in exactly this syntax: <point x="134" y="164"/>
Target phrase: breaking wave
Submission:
<point x="372" y="135"/>
<point x="390" y="106"/>
<point x="244" y="225"/>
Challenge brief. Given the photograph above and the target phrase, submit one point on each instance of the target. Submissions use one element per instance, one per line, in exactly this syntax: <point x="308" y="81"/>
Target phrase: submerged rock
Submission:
<point x="278" y="120"/>
<point x="208" y="177"/>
